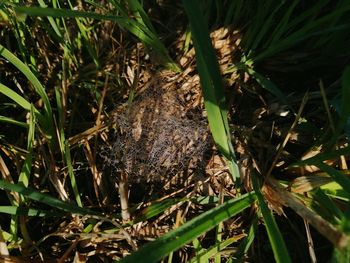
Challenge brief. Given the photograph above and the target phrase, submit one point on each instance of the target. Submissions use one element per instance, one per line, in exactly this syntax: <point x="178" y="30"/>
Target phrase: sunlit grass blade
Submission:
<point x="161" y="247"/>
<point x="133" y="26"/>
<point x="318" y="161"/>
<point x="30" y="76"/>
<point x="142" y="17"/>
<point x="336" y="175"/>
<point x="140" y="30"/>
<point x="218" y="241"/>
<point x="46" y="199"/>
<point x="85" y="35"/>
<point x="155" y="209"/>
<point x="335" y="190"/>
<point x="212" y="86"/>
<point x="279" y="248"/>
<point x="47" y="120"/>
<point x="205" y="254"/>
<point x="25" y="104"/>
<point x="140" y="14"/>
<point x="51" y="20"/>
<point x="12" y="121"/>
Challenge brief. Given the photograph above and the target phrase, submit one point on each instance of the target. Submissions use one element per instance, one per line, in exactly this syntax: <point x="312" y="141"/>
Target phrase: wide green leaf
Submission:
<point x="279" y="248"/>
<point x="212" y="85"/>
<point x="161" y="247"/>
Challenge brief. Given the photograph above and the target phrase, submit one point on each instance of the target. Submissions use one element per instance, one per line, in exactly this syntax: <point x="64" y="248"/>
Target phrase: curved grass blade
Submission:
<point x="18" y="99"/>
<point x="46" y="199"/>
<point x="276" y="240"/>
<point x="142" y="18"/>
<point x="46" y="121"/>
<point x="161" y="247"/>
<point x="140" y="30"/>
<point x="12" y="121"/>
<point x="212" y="86"/>
<point x="30" y="76"/>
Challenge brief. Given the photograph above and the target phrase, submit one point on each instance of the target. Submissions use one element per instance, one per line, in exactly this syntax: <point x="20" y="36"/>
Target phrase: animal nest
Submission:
<point x="159" y="137"/>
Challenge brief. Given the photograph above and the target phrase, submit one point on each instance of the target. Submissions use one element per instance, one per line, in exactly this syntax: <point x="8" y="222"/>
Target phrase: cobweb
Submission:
<point x="157" y="137"/>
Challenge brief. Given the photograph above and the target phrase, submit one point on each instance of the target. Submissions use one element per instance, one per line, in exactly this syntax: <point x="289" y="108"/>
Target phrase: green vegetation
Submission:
<point x="175" y="132"/>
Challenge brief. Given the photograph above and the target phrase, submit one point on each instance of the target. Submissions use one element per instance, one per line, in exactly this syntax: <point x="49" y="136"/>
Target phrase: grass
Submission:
<point x="71" y="71"/>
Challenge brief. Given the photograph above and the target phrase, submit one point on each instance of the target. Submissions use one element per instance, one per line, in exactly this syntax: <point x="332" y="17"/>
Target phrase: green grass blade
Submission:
<point x="325" y="207"/>
<point x="198" y="249"/>
<point x="55" y="12"/>
<point x="46" y="199"/>
<point x="46" y="120"/>
<point x="24" y="211"/>
<point x="12" y="121"/>
<point x="323" y="157"/>
<point x="218" y="243"/>
<point x="30" y="76"/>
<point x="345" y="114"/>
<point x="85" y="35"/>
<point x="276" y="240"/>
<point x="313" y="28"/>
<point x="133" y="26"/>
<point x="205" y="254"/>
<point x="212" y="86"/>
<point x="244" y="246"/>
<point x="266" y="26"/>
<point x="336" y="175"/>
<point x="74" y="185"/>
<point x="16" y="98"/>
<point x="51" y="20"/>
<point x="22" y="102"/>
<point x="24" y="176"/>
<point x="140" y="14"/>
<point x="281" y="28"/>
<point x="161" y="247"/>
<point x="268" y="85"/>
<point x="340" y="255"/>
<point x="155" y="209"/>
<point x="140" y="30"/>
<point x="64" y="146"/>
